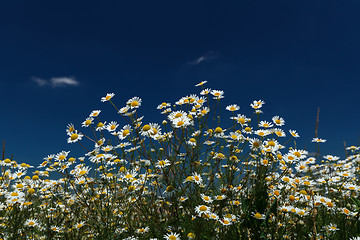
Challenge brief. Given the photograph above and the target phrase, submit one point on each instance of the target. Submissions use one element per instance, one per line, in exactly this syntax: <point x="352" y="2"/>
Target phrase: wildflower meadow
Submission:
<point x="188" y="176"/>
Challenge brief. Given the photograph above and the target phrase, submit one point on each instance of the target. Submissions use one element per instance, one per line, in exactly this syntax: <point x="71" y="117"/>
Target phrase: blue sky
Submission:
<point x="58" y="58"/>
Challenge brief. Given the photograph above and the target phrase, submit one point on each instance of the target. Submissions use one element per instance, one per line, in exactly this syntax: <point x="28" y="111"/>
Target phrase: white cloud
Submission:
<point x="205" y="57"/>
<point x="56" y="81"/>
<point x="40" y="82"/>
<point x="199" y="60"/>
<point x="63" y="81"/>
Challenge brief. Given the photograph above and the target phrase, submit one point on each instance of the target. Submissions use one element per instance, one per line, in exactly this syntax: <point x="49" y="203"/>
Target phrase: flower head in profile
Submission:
<point x="217" y="94"/>
<point x="294" y="133"/>
<point x="107" y="97"/>
<point x="200" y="84"/>
<point x="232" y="108"/>
<point x="318" y="140"/>
<point x="257" y="104"/>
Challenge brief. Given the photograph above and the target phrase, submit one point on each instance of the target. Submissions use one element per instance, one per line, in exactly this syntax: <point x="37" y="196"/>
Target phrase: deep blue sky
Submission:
<point x="295" y="55"/>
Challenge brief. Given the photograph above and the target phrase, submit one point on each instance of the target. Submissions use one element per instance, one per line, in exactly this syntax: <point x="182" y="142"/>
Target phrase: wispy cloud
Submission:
<point x="56" y="81"/>
<point x="205" y="57"/>
<point x="40" y="82"/>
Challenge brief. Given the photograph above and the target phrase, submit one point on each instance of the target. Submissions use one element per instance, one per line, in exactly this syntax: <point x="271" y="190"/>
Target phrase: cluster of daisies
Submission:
<point x="181" y="179"/>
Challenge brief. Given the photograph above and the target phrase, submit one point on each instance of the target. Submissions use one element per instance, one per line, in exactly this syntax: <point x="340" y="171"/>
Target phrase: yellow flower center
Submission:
<point x="125" y="132"/>
<point x="258" y="215"/>
<point x="154" y="131"/>
<point x="134" y="104"/>
<point x="146" y="128"/>
<point x="218" y="130"/>
<point x="178" y="115"/>
<point x="87" y="122"/>
<point x="180" y="123"/>
<point x="107" y="97"/>
<point x="203" y="208"/>
<point x="31" y="191"/>
<point x="192" y="140"/>
<point x="247" y="129"/>
<point x="100" y="124"/>
<point x="74" y="136"/>
<point x="271" y="143"/>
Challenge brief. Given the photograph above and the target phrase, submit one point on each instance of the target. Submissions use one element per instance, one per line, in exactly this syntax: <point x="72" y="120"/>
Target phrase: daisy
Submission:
<point x="242" y="119"/>
<point x="56" y="228"/>
<point x="257" y="104"/>
<point x="192" y="142"/>
<point x="176" y="114"/>
<point x="205" y="91"/>
<point x="265" y="124"/>
<point x="262" y="132"/>
<point x="107" y="97"/>
<point x="74" y="137"/>
<point x="87" y="122"/>
<point x="197" y="178"/>
<point x="258" y="216"/>
<point x="163" y="163"/>
<point x="31" y="223"/>
<point x="95" y="113"/>
<point x="318" y="140"/>
<point x="294" y="133"/>
<point x="181" y="122"/>
<point x="111" y="127"/>
<point x="225" y="221"/>
<point x="61" y="155"/>
<point x="124" y="132"/>
<point x="232" y="108"/>
<point x="172" y="236"/>
<point x="100" y="126"/>
<point x="200" y="84"/>
<point x="79" y="224"/>
<point x="278" y="121"/>
<point x="124" y="110"/>
<point x="163" y="105"/>
<point x="134" y="102"/>
<point x="331" y="227"/>
<point x="203" y="112"/>
<point x="142" y="230"/>
<point x="202" y="209"/>
<point x="279" y="132"/>
<point x="247" y="130"/>
<point x="70" y="129"/>
<point x="217" y="94"/>
<point x="205" y="198"/>
<point x="236" y="136"/>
